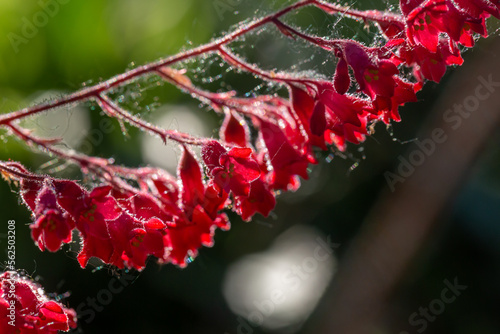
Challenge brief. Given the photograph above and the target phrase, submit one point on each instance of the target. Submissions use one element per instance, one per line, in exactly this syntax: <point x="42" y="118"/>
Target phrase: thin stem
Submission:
<point x="202" y="95"/>
<point x="218" y="100"/>
<point x="114" y="110"/>
<point x="321" y="42"/>
<point x="368" y="15"/>
<point x="97" y="166"/>
<point x="238" y="62"/>
<point x="6" y="170"/>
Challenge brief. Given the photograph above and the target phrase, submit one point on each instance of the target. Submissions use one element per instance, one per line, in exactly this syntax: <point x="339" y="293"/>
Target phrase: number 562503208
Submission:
<point x="11" y="245"/>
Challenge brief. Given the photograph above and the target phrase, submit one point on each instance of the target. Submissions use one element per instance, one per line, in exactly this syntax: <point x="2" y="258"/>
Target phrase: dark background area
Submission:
<point x="87" y="41"/>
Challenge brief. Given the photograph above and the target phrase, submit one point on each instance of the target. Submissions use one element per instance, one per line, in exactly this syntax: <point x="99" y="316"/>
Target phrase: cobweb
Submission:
<point x="271" y="51"/>
<point x="268" y="48"/>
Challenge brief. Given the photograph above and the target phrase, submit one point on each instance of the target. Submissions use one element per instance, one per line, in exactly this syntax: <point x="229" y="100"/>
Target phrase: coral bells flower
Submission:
<point x="237" y="171"/>
<point x="341" y="79"/>
<point x="117" y="236"/>
<point x="184" y="240"/>
<point x="25" y="309"/>
<point x="52" y="226"/>
<point x="287" y="162"/>
<point x="134" y="241"/>
<point x="260" y="199"/>
<point x="231" y="170"/>
<point x="428" y="64"/>
<point x="404" y="92"/>
<point x="29" y="191"/>
<point x="330" y="117"/>
<point x="196" y="226"/>
<point x="427" y="19"/>
<point x="477" y="8"/>
<point x="91" y="211"/>
<point x="375" y="76"/>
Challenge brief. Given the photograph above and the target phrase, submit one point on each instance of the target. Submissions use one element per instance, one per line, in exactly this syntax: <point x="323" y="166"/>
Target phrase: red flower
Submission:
<point x="302" y="109"/>
<point x="91" y="213"/>
<point x="345" y="116"/>
<point x="387" y="109"/>
<point x="29" y="191"/>
<point x="134" y="241"/>
<point x="231" y="170"/>
<point x="260" y="199"/>
<point x="375" y="76"/>
<point x="215" y="201"/>
<point x="330" y="117"/>
<point x="184" y="240"/>
<point x="477" y="8"/>
<point x="431" y="65"/>
<point x="165" y="189"/>
<point x="287" y="161"/>
<point x="195" y="228"/>
<point x="391" y="25"/>
<point x="426" y="20"/>
<point x="52" y="226"/>
<point x="32" y="311"/>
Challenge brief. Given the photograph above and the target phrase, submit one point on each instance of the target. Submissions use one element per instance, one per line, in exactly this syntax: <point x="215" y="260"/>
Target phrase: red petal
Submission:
<point x="341" y="79"/>
<point x="190" y="174"/>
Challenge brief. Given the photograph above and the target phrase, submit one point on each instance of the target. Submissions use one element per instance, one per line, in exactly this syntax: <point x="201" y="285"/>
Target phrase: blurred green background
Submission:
<point x="84" y="42"/>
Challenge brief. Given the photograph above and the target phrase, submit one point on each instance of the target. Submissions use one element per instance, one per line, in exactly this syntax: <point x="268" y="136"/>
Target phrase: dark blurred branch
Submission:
<point x="402" y="221"/>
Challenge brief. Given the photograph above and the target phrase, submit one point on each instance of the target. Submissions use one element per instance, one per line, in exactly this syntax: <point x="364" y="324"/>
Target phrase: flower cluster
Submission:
<point x="24" y="308"/>
<point x="123" y="225"/>
<point x="434" y="29"/>
<point x="266" y="143"/>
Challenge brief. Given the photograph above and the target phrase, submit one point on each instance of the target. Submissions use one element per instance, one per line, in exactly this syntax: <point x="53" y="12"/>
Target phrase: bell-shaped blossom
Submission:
<point x="430" y="65"/>
<point x="165" y="189"/>
<point x="427" y="20"/>
<point x="260" y="199"/>
<point x="184" y="240"/>
<point x="341" y="79"/>
<point x="478" y="8"/>
<point x="330" y="117"/>
<point x="90" y="211"/>
<point x="133" y="241"/>
<point x="52" y="226"/>
<point x="25" y="309"/>
<point x="29" y="190"/>
<point x="231" y="170"/>
<point x="375" y="76"/>
<point x="195" y="228"/>
<point x="302" y="107"/>
<point x="387" y="109"/>
<point x="285" y="161"/>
